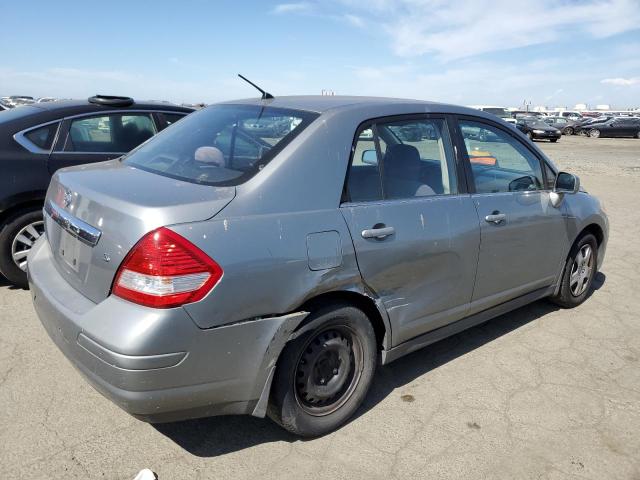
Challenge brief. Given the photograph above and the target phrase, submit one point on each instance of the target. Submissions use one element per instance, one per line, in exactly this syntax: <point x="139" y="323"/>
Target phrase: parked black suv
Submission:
<point x="38" y="139"/>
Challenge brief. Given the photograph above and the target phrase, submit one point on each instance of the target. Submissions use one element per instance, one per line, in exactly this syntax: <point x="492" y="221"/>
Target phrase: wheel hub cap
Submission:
<point x="581" y="271"/>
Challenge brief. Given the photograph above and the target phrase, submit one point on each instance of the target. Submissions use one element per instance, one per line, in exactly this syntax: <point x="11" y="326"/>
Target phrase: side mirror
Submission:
<point x="369" y="157"/>
<point x="567" y="183"/>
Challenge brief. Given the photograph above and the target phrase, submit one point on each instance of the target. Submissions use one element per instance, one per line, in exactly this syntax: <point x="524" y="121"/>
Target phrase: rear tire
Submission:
<point x="530" y="135"/>
<point x="568" y="131"/>
<point x="323" y="376"/>
<point x="638" y="134"/>
<point x="17" y="235"/>
<point x="577" y="279"/>
<point x="595" y="133"/>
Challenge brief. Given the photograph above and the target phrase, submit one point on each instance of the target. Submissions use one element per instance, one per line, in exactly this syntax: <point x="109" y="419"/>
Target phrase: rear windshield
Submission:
<point x="220" y="145"/>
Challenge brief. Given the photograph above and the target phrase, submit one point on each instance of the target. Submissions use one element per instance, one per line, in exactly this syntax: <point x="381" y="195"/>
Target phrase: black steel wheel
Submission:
<point x="323" y="375"/>
<point x="328" y="370"/>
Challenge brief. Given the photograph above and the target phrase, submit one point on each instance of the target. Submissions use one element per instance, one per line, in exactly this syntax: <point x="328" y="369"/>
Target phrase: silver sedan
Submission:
<point x="222" y="268"/>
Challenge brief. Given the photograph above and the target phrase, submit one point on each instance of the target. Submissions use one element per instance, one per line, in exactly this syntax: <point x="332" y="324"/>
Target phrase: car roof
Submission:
<point x="39" y="113"/>
<point x="324" y="103"/>
<point x="84" y="105"/>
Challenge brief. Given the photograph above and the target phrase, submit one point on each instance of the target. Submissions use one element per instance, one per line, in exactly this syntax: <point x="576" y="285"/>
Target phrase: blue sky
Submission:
<point x="548" y="52"/>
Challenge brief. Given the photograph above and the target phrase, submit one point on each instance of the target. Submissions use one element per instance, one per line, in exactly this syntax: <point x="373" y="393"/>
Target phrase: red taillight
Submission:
<point x="165" y="270"/>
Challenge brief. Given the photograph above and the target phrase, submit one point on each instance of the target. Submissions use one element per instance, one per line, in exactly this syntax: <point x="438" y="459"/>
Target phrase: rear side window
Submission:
<point x="402" y="159"/>
<point x="171" y="118"/>
<point x="116" y="133"/>
<point x="43" y="137"/>
<point x="221" y="144"/>
<point x="500" y="162"/>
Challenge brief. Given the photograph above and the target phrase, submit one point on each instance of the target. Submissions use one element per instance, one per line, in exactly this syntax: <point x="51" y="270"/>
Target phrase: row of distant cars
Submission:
<point x="13" y="101"/>
<point x="542" y="126"/>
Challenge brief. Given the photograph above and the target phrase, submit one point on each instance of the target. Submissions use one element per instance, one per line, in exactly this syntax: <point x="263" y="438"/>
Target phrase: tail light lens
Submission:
<point x="165" y="270"/>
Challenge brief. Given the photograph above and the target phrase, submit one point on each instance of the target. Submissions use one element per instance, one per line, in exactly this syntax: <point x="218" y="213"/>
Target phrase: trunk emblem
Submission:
<point x="106" y="257"/>
<point x="68" y="197"/>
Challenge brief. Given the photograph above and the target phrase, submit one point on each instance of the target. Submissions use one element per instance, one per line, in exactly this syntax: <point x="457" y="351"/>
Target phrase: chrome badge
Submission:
<point x="68" y="197"/>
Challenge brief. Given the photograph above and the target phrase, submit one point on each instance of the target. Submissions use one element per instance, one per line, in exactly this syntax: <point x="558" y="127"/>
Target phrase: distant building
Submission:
<point x="603" y="107"/>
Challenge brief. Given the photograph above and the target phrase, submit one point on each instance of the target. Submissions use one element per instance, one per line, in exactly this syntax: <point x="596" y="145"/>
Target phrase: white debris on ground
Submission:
<point x="146" y="474"/>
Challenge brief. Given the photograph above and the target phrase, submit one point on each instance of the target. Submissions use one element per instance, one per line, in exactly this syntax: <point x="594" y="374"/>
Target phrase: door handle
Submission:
<point x="496" y="218"/>
<point x="378" y="232"/>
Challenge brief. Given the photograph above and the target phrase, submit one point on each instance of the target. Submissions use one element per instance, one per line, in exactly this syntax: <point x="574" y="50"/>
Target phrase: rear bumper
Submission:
<point x="157" y="364"/>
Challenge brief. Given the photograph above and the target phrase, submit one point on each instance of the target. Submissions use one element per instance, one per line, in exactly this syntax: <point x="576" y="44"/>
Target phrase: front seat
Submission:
<point x="402" y="166"/>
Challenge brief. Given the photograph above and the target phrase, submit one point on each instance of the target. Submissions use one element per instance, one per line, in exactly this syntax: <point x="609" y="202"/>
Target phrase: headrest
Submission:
<point x="401" y="160"/>
<point x="212" y="155"/>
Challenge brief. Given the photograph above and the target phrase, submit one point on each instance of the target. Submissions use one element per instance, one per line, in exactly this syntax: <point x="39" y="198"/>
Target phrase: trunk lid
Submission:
<point x="96" y="213"/>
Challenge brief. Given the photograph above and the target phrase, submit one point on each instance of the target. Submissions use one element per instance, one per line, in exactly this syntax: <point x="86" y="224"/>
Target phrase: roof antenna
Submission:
<point x="265" y="95"/>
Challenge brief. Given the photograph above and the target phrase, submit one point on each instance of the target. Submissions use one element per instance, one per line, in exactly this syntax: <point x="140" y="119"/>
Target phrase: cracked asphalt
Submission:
<point x="539" y="393"/>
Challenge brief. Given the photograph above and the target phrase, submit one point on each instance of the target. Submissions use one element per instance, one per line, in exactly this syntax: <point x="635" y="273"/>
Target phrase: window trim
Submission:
<point x="461" y="180"/>
<point x="467" y="163"/>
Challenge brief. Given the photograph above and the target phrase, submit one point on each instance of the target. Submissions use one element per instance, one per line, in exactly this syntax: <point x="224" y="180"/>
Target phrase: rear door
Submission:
<point x="101" y="136"/>
<point x="414" y="229"/>
<point x="523" y="237"/>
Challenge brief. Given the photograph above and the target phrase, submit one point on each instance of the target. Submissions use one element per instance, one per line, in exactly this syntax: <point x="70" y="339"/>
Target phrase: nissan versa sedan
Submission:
<point x="226" y="269"/>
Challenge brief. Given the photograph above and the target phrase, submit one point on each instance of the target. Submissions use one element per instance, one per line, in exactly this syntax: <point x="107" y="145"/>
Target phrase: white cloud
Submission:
<point x="453" y="30"/>
<point x="300" y="7"/>
<point x="623" y="82"/>
<point x="354" y="20"/>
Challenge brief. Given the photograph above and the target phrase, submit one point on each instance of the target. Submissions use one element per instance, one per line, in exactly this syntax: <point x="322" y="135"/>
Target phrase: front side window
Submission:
<point x="115" y="133"/>
<point x="500" y="162"/>
<point x="221" y="144"/>
<point x="402" y="159"/>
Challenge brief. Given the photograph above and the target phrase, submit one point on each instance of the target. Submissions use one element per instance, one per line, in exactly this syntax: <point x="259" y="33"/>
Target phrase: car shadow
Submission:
<point x="210" y="437"/>
<point x="6" y="283"/>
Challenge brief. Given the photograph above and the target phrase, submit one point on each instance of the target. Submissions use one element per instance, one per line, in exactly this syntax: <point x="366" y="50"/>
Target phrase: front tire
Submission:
<point x="530" y="135"/>
<point x="568" y="131"/>
<point x="553" y="140"/>
<point x="323" y="376"/>
<point x="579" y="271"/>
<point x="17" y="236"/>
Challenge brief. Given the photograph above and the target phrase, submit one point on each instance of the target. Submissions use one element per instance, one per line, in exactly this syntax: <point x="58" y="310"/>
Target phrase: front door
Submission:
<point x="99" y="137"/>
<point x="523" y="237"/>
<point x="415" y="234"/>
